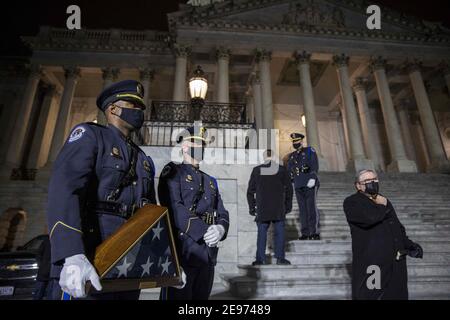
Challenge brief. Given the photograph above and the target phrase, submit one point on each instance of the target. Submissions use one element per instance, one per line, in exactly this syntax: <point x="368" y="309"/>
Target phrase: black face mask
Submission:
<point x="297" y="145"/>
<point x="372" y="188"/>
<point x="134" y="117"/>
<point x="197" y="153"/>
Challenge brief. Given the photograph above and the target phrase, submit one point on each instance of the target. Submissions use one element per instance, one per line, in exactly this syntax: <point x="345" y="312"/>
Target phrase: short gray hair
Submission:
<point x="361" y="172"/>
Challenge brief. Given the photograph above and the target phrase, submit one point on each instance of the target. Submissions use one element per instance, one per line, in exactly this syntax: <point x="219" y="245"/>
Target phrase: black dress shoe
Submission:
<point x="283" y="262"/>
<point x="258" y="263"/>
<point x="315" y="237"/>
<point x="304" y="238"/>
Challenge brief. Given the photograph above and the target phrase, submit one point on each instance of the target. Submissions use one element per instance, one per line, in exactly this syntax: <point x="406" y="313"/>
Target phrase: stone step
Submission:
<point x="440" y="245"/>
<point x="341" y="234"/>
<point x="328" y="271"/>
<point x="409" y="223"/>
<point x="249" y="288"/>
<point x="324" y="257"/>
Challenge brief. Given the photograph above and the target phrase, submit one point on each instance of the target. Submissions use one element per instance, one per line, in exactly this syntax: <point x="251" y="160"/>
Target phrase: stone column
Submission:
<point x="223" y="81"/>
<point x="263" y="58"/>
<point x="405" y="126"/>
<point x="44" y="130"/>
<point x="341" y="108"/>
<point x="358" y="160"/>
<point x="312" y="128"/>
<point x="445" y="67"/>
<point x="359" y="87"/>
<point x="17" y="144"/>
<point x="256" y="90"/>
<point x="146" y="76"/>
<point x="109" y="76"/>
<point x="399" y="163"/>
<point x="72" y="75"/>
<point x="439" y="162"/>
<point x="182" y="54"/>
<point x="250" y="107"/>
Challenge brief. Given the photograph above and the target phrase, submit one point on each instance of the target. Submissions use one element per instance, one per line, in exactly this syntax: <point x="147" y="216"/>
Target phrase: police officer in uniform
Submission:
<point x="303" y="166"/>
<point x="199" y="217"/>
<point x="99" y="179"/>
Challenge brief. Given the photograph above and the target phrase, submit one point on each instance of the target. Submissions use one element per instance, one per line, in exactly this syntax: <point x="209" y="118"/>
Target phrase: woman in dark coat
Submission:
<point x="379" y="243"/>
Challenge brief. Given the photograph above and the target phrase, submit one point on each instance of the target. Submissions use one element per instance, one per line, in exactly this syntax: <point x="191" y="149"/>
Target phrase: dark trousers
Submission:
<point x="55" y="293"/>
<point x="199" y="282"/>
<point x="262" y="240"/>
<point x="40" y="290"/>
<point x="308" y="212"/>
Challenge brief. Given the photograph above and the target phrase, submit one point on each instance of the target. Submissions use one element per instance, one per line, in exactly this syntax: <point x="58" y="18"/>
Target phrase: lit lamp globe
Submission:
<point x="198" y="87"/>
<point x="303" y="118"/>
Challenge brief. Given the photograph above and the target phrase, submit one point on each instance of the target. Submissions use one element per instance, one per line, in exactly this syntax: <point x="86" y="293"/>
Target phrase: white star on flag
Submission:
<point x="165" y="266"/>
<point x="123" y="269"/>
<point x="146" y="267"/>
<point x="157" y="232"/>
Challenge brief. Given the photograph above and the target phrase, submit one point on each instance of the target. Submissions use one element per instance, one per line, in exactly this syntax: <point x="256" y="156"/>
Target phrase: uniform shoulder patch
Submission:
<point x="169" y="170"/>
<point x="77" y="133"/>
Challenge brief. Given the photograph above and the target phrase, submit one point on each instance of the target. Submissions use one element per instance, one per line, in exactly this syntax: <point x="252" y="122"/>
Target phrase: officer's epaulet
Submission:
<point x="169" y="170"/>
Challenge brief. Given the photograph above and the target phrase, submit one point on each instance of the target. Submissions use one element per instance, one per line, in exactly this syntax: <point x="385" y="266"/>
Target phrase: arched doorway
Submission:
<point x="12" y="227"/>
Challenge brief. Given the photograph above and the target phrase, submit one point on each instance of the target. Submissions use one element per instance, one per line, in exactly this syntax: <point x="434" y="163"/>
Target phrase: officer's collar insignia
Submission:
<point x="146" y="165"/>
<point x="189" y="178"/>
<point x="115" y="152"/>
<point x="76" y="134"/>
<point x="211" y="184"/>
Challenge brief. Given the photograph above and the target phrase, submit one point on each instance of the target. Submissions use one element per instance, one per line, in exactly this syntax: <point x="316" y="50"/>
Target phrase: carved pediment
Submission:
<point x="340" y="17"/>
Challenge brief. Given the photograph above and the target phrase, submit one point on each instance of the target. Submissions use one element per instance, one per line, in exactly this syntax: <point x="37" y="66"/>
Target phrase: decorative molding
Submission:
<point x="377" y="63"/>
<point x="71" y="72"/>
<point x="182" y="51"/>
<point x="147" y="74"/>
<point x="110" y="73"/>
<point x="310" y="14"/>
<point x="360" y="84"/>
<point x="223" y="53"/>
<point x="341" y="60"/>
<point x="59" y="39"/>
<point x="263" y="55"/>
<point x="412" y="66"/>
<point x="302" y="57"/>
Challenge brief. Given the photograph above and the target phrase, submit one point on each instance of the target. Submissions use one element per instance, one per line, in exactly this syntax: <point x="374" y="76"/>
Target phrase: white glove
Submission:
<point x="214" y="235"/>
<point x="311" y="183"/>
<point x="183" y="280"/>
<point x="77" y="270"/>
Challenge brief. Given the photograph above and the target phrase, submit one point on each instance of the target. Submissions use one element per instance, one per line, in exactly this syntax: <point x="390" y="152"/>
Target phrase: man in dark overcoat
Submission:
<point x="269" y="197"/>
<point x="379" y="243"/>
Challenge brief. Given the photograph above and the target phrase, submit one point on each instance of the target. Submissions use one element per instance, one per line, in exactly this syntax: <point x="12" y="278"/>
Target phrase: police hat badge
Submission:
<point x="141" y="254"/>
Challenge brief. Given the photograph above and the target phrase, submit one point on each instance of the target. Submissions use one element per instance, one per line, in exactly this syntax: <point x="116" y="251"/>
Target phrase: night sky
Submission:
<point x="25" y="17"/>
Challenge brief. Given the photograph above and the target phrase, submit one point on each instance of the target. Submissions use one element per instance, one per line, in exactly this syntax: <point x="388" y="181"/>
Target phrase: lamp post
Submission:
<point x="198" y="86"/>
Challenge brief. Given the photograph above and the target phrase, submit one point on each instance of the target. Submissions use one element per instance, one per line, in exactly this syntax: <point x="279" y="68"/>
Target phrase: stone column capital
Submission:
<point x="341" y="60"/>
<point x="147" y="74"/>
<point x="377" y="63"/>
<point x="223" y="53"/>
<point x="411" y="66"/>
<point x="110" y="73"/>
<point x="263" y="55"/>
<point x="256" y="78"/>
<point x="360" y="84"/>
<point x="182" y="51"/>
<point x="302" y="57"/>
<point x="34" y="70"/>
<point x="72" y="72"/>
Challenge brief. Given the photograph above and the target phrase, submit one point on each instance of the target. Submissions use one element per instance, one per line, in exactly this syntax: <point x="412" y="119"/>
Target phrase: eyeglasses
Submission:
<point x="368" y="181"/>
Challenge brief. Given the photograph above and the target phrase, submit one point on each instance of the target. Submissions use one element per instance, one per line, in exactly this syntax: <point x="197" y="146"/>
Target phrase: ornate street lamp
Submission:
<point x="198" y="86"/>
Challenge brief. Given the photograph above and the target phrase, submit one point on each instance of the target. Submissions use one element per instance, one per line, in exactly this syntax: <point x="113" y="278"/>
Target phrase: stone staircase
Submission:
<point x="321" y="269"/>
<point x="30" y="196"/>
